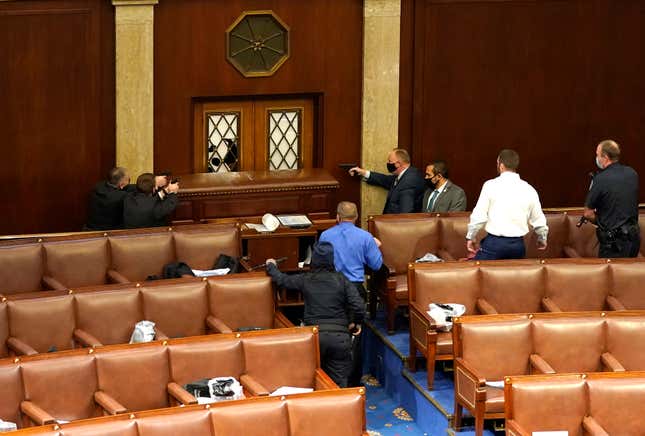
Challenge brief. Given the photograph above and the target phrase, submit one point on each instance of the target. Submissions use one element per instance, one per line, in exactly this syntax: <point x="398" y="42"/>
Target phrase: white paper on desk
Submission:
<point x="257" y="227"/>
<point x="550" y="433"/>
<point x="495" y="384"/>
<point x="205" y="400"/>
<point x="211" y="272"/>
<point x="290" y="390"/>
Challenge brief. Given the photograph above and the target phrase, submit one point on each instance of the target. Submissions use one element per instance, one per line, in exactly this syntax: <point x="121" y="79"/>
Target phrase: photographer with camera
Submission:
<point x="332" y="303"/>
<point x="612" y="204"/>
<point x="152" y="204"/>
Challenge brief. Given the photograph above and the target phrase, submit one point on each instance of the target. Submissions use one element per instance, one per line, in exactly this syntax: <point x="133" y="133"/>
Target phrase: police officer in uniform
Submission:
<point x="331" y="302"/>
<point x="612" y="204"/>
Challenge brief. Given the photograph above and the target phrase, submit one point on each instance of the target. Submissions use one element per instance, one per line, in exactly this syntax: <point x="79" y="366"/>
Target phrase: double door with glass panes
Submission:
<point x="253" y="135"/>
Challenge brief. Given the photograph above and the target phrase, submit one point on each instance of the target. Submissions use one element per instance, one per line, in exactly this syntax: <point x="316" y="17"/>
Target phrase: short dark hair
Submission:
<point x="440" y="167"/>
<point x="509" y="158"/>
<point x="146" y="183"/>
<point x="610" y="149"/>
<point x="115" y="175"/>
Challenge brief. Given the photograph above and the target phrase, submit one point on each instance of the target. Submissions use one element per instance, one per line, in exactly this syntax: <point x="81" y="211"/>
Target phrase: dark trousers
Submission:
<point x="501" y="247"/>
<point x="357" y="347"/>
<point x="336" y="355"/>
<point x="626" y="245"/>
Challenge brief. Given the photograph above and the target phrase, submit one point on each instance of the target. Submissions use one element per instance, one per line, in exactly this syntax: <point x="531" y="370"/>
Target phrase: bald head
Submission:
<point x="347" y="211"/>
<point x="609" y="149"/>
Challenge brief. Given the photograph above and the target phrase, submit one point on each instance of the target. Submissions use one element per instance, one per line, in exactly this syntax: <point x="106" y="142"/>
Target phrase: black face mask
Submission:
<point x="430" y="184"/>
<point x="391" y="167"/>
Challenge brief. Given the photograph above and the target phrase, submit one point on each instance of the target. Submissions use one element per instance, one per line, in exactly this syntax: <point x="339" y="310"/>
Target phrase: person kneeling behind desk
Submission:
<point x="331" y="302"/>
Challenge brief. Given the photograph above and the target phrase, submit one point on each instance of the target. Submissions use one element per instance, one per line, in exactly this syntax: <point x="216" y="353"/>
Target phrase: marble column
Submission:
<point x="134" y="21"/>
<point x="381" y="51"/>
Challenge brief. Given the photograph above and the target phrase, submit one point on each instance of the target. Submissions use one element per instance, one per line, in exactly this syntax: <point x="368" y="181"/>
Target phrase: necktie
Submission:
<point x="433" y="197"/>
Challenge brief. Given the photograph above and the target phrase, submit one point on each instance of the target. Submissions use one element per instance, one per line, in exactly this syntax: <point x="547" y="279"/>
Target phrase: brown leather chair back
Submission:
<point x="200" y="249"/>
<point x="583" y="239"/>
<point x="78" y="263"/>
<point x="63" y="387"/>
<point x="21" y="268"/>
<point x="135" y="377"/>
<point x="573" y="344"/>
<point x="641" y="224"/>
<point x="486" y="347"/>
<point x="197" y="360"/>
<point x="405" y="238"/>
<point x="448" y="285"/>
<point x="242" y="300"/>
<point x="268" y="418"/>
<point x="558" y="237"/>
<point x="311" y="416"/>
<point x="578" y="287"/>
<point x="4" y="330"/>
<point x="617" y="404"/>
<point x="116" y="426"/>
<point x="44" y="322"/>
<point x="625" y="340"/>
<point x="12" y="393"/>
<point x="540" y="408"/>
<point x="501" y="287"/>
<point x="109" y="316"/>
<point x="178" y="309"/>
<point x="283" y="360"/>
<point x="137" y="257"/>
<point x="453" y="233"/>
<point x="627" y="283"/>
<point x="193" y="423"/>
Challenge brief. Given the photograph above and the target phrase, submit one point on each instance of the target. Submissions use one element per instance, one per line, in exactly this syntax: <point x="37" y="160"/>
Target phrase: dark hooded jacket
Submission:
<point x="106" y="206"/>
<point x="330" y="299"/>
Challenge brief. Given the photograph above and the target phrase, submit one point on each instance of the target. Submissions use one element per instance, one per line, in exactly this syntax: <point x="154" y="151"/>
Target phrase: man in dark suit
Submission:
<point x="442" y="195"/>
<point x="149" y="206"/>
<point x="405" y="183"/>
<point x="105" y="210"/>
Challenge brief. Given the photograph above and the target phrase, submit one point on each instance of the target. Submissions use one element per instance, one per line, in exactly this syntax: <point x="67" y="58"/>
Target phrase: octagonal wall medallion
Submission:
<point x="257" y="43"/>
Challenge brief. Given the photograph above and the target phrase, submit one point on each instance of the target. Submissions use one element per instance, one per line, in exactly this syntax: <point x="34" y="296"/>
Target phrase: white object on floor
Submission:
<point x="211" y="272"/>
<point x="7" y="426"/>
<point x="144" y="331"/>
<point x="289" y="390"/>
<point x="495" y="384"/>
<point x="550" y="433"/>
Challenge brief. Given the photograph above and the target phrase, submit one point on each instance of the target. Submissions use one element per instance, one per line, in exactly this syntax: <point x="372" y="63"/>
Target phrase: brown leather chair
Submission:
<point x="191" y="423"/>
<point x="201" y="248"/>
<point x="136" y="257"/>
<point x="41" y="325"/>
<point x="489" y="348"/>
<point x="627" y="286"/>
<point x="243" y="301"/>
<point x="194" y="360"/>
<point x="120" y="425"/>
<point x="12" y="393"/>
<point x="21" y="268"/>
<point x="59" y="389"/>
<point x="596" y="404"/>
<point x="107" y="317"/>
<point x="622" y="335"/>
<point x="70" y="264"/>
<point x="178" y="309"/>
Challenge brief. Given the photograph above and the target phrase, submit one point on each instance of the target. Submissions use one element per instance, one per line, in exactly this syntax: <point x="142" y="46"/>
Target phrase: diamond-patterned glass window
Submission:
<point x="223" y="134"/>
<point x="284" y="139"/>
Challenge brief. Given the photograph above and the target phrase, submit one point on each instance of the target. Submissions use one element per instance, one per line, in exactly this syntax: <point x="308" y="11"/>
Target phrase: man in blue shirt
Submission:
<point x="354" y="248"/>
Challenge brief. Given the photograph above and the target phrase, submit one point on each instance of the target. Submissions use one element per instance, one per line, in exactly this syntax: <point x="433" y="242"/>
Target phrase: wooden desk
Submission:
<point x="249" y="193"/>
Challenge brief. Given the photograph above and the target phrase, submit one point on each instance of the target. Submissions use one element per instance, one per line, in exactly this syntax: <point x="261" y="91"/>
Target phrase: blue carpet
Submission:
<point x="384" y="416"/>
<point x="385" y="358"/>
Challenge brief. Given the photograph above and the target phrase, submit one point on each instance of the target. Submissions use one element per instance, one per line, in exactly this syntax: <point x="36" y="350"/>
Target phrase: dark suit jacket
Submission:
<point x="105" y="210"/>
<point x="406" y="196"/>
<point x="142" y="210"/>
<point x="451" y="199"/>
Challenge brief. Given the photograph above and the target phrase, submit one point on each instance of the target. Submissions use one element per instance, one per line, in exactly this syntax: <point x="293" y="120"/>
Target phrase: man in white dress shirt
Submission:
<point x="506" y="205"/>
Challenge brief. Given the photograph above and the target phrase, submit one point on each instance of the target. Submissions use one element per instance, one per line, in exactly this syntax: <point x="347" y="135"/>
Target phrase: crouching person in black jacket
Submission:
<point x="150" y="206"/>
<point x="331" y="302"/>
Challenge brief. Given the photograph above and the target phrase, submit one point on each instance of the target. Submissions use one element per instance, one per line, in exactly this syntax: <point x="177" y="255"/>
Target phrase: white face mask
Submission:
<point x="598" y="164"/>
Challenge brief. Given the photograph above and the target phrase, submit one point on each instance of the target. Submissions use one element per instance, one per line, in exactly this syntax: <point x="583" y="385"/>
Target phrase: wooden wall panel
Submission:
<point x="326" y="59"/>
<point x="550" y="78"/>
<point x="56" y="110"/>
